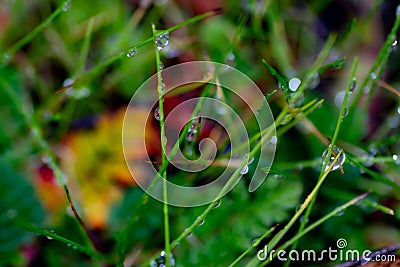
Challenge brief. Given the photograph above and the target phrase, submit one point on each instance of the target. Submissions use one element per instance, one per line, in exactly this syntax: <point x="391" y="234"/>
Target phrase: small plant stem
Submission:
<point x="85" y="48"/>
<point x="37" y="137"/>
<point x="163" y="153"/>
<point x="315" y="225"/>
<point x="332" y="145"/>
<point x="10" y="52"/>
<point x="380" y="61"/>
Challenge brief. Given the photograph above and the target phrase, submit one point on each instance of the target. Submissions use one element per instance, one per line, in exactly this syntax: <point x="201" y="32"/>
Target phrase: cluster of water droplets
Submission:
<point x="162" y="260"/>
<point x="334" y="154"/>
<point x="193" y="129"/>
<point x="67" y="6"/>
<point x="131" y="52"/>
<point x="77" y="93"/>
<point x="161" y="41"/>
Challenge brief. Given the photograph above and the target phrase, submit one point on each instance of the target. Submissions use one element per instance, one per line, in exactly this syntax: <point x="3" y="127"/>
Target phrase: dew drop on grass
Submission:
<point x="255" y="242"/>
<point x="191" y="134"/>
<point x="67" y="6"/>
<point x="68" y="82"/>
<point x="398" y="11"/>
<point x="302" y="219"/>
<point x="394" y="44"/>
<point x="157" y="113"/>
<point x="282" y="87"/>
<point x="368" y="160"/>
<point x="337" y="163"/>
<point x="161" y="41"/>
<point x="189" y="235"/>
<point x="163" y="87"/>
<point x="131" y="52"/>
<point x="217" y="204"/>
<point x="398" y="110"/>
<point x="396" y="159"/>
<point x="45" y="158"/>
<point x="294" y="84"/>
<point x="295" y="100"/>
<point x="339" y="213"/>
<point x="298" y="208"/>
<point x="373" y="150"/>
<point x="314" y="81"/>
<point x="339" y="98"/>
<point x="244" y="170"/>
<point x="201" y="222"/>
<point x="345" y="112"/>
<point x="161" y="66"/>
<point x="353" y="85"/>
<point x="274" y="140"/>
<point x="230" y="59"/>
<point x="373" y="76"/>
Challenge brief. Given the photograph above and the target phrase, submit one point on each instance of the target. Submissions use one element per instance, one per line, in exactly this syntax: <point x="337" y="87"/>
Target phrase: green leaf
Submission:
<point x="17" y="200"/>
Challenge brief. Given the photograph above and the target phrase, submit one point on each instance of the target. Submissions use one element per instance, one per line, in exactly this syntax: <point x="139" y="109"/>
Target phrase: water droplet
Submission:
<point x="230" y="59"/>
<point x="131" y="52"/>
<point x="373" y="150"/>
<point x="345" y="112"/>
<point x="398" y="11"/>
<point x="12" y="213"/>
<point x="255" y="242"/>
<point x="339" y="99"/>
<point x="313" y="81"/>
<point x="67" y="6"/>
<point x="33" y="132"/>
<point x="294" y="84"/>
<point x="6" y="58"/>
<point x="302" y="219"/>
<point x="217" y="204"/>
<point x="45" y="158"/>
<point x="279" y="178"/>
<point x="49" y="237"/>
<point x="163" y="87"/>
<point x="189" y="150"/>
<point x="394" y="44"/>
<point x="274" y="140"/>
<point x="339" y="213"/>
<point x="191" y="134"/>
<point x="298" y="208"/>
<point x="353" y="85"/>
<point x="396" y="159"/>
<point x="161" y="66"/>
<point x="189" y="235"/>
<point x="80" y="93"/>
<point x="68" y="82"/>
<point x="282" y="87"/>
<point x="398" y="110"/>
<point x="295" y="100"/>
<point x="201" y="222"/>
<point x="244" y="170"/>
<point x="368" y="160"/>
<point x="157" y="113"/>
<point x="373" y="76"/>
<point x="69" y="245"/>
<point x="337" y="163"/>
<point x="161" y="41"/>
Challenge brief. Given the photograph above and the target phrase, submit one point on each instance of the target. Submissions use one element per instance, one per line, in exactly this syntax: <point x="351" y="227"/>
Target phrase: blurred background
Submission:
<point x="54" y="113"/>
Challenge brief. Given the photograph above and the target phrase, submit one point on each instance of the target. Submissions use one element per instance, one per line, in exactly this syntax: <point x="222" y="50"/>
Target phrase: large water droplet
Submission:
<point x="337" y="163"/>
<point x="67" y="6"/>
<point x="171" y="52"/>
<point x="339" y="99"/>
<point x="373" y="76"/>
<point x="68" y="82"/>
<point x="131" y="52"/>
<point x="161" y="41"/>
<point x="157" y="113"/>
<point x="294" y="84"/>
